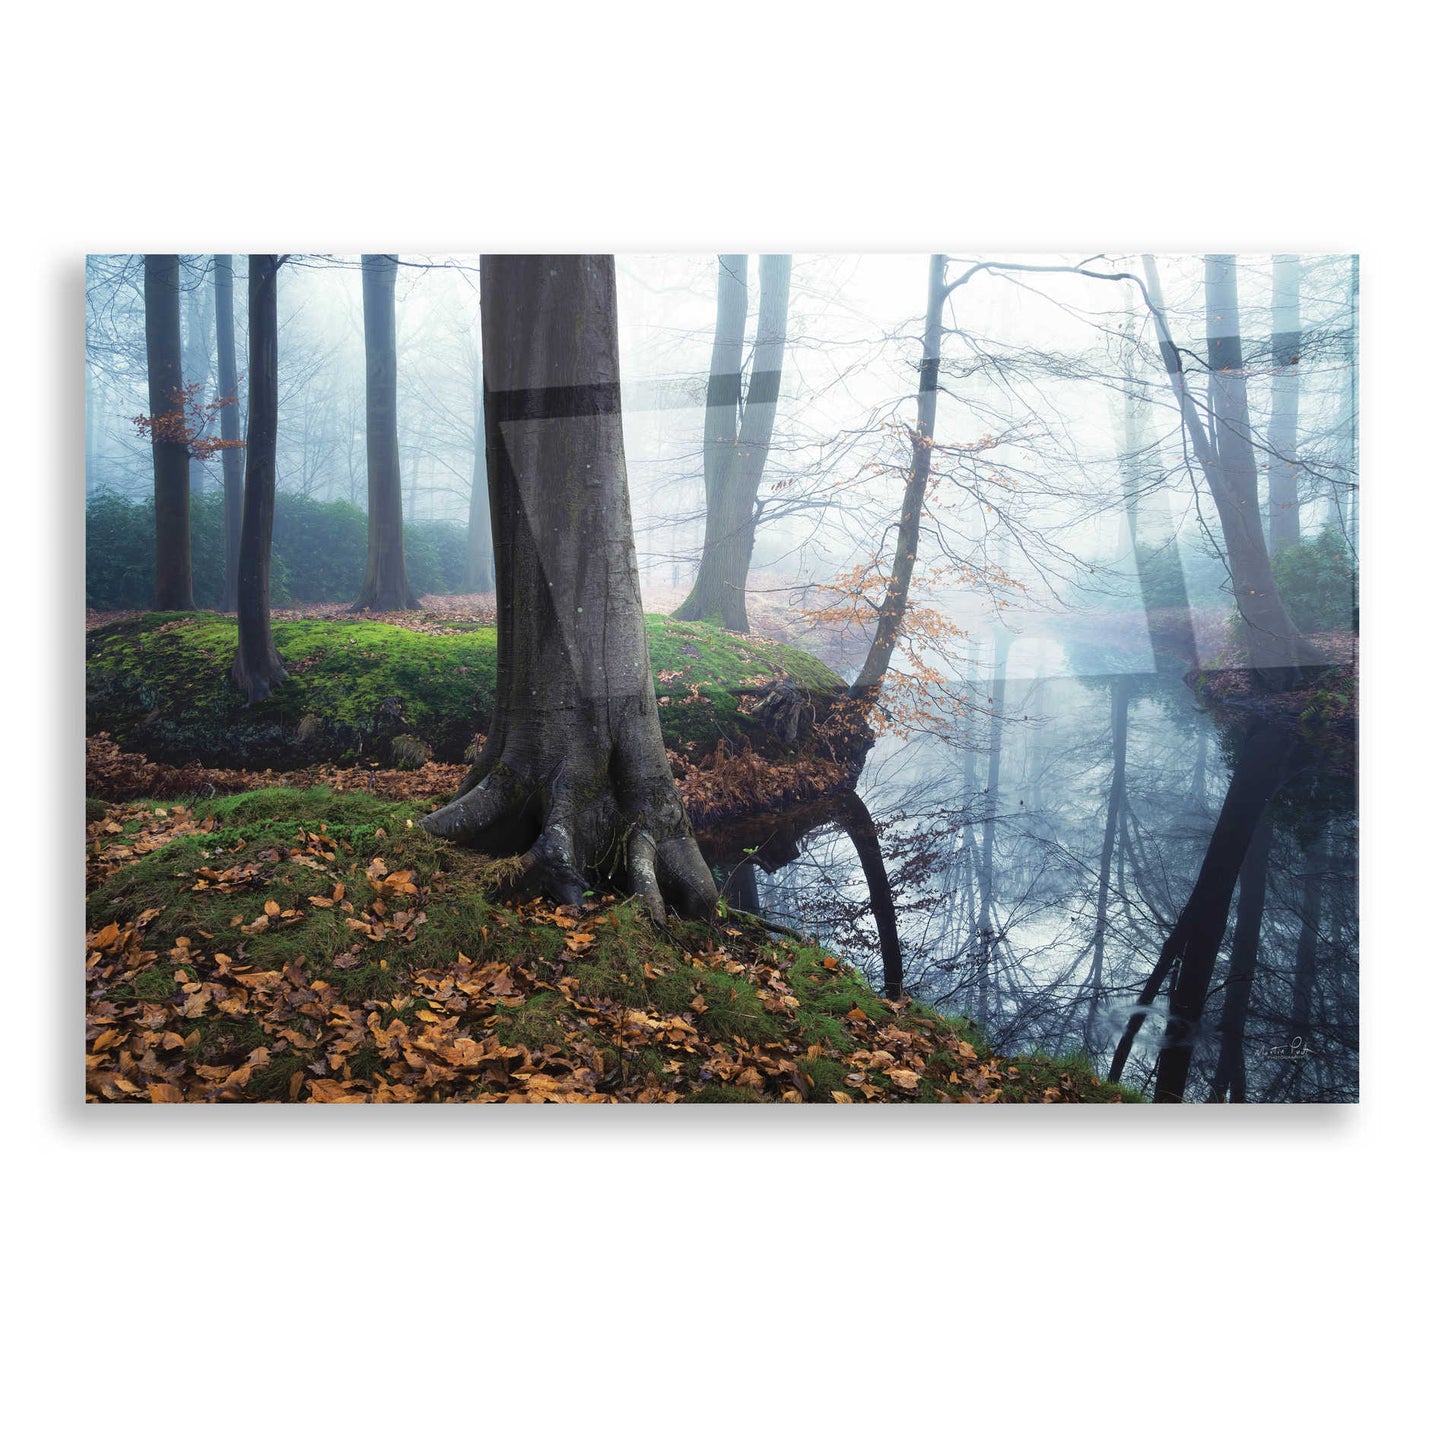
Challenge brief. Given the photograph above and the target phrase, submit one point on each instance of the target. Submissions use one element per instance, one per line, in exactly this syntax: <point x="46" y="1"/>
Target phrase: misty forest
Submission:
<point x="721" y="678"/>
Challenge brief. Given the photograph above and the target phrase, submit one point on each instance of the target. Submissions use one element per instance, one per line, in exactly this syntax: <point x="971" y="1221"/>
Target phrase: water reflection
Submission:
<point x="1103" y="871"/>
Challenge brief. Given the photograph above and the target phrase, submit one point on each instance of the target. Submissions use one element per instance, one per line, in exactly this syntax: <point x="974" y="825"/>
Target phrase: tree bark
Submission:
<point x="1229" y="1084"/>
<point x="1278" y="655"/>
<point x="1284" y="407"/>
<point x="733" y="473"/>
<point x="1190" y="951"/>
<point x="858" y="823"/>
<point x="385" y="587"/>
<point x="574" y="768"/>
<point x="232" y="465"/>
<point x="1263" y="759"/>
<point x="196" y="355"/>
<point x="1157" y="562"/>
<point x="895" y="599"/>
<point x="258" y="667"/>
<point x="169" y="454"/>
<point x="481" y="571"/>
<point x="1002" y="641"/>
<point x="1119" y="694"/>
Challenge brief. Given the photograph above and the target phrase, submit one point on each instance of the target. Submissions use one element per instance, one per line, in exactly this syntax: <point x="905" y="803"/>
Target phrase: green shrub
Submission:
<point x="1316" y="582"/>
<point x="318" y="552"/>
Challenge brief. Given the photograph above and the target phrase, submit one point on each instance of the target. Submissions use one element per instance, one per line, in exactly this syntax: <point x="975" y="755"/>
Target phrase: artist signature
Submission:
<point x="1296" y="1048"/>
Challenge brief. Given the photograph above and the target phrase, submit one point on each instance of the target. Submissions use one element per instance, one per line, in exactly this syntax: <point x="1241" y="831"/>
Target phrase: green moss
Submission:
<point x="536" y="1023"/>
<point x="822" y="1076"/>
<point x="160" y="684"/>
<point x="787" y="1009"/>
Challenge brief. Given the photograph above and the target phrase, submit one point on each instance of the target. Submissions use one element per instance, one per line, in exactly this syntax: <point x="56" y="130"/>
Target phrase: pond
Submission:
<point x="1093" y="865"/>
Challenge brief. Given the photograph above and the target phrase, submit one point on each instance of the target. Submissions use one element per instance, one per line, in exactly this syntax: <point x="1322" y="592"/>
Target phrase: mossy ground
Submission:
<point x="159" y="684"/>
<point x="290" y="944"/>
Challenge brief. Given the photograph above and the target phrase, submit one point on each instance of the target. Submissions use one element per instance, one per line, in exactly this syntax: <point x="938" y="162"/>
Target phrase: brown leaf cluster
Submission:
<point x="725" y="783"/>
<point x="230" y="1030"/>
<point x="116" y="777"/>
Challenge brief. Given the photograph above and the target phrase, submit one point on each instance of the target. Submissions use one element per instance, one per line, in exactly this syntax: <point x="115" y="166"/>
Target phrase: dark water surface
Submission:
<point x="1097" y="866"/>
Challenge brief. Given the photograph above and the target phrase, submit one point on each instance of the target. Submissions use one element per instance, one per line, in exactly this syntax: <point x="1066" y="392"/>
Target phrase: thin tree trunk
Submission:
<point x="1001" y="643"/>
<point x="196" y="363"/>
<point x="1278" y="655"/>
<point x="385" y="587"/>
<point x="1190" y="950"/>
<point x="1284" y="407"/>
<point x="258" y="667"/>
<point x="1119" y="690"/>
<point x="1263" y="759"/>
<point x="895" y="598"/>
<point x="169" y="453"/>
<point x="1156" y="550"/>
<point x="858" y="823"/>
<point x="232" y="464"/>
<point x="574" y="763"/>
<point x="1229" y="1085"/>
<point x="733" y="474"/>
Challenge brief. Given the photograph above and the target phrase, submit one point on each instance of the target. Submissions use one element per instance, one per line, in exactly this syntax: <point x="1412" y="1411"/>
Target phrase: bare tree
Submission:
<point x="258" y="666"/>
<point x="385" y="587"/>
<point x="737" y="437"/>
<point x="169" y="451"/>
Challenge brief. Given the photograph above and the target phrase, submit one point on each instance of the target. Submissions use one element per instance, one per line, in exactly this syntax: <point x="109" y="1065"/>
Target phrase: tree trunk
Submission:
<point x="1278" y="655"/>
<point x="858" y="823"/>
<point x="1192" y="946"/>
<point x="169" y="454"/>
<point x="258" y="668"/>
<point x="196" y="355"/>
<point x="895" y="599"/>
<point x="232" y="465"/>
<point x="1001" y="643"/>
<point x="574" y="768"/>
<point x="1284" y="407"/>
<point x="481" y="572"/>
<point x="736" y="453"/>
<point x="1156" y="549"/>
<point x="385" y="588"/>
<point x="1229" y="1085"/>
<point x="1119" y="691"/>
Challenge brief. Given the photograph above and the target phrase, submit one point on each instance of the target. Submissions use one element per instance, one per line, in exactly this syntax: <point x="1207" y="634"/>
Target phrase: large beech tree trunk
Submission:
<point x="169" y="453"/>
<point x="232" y="467"/>
<point x="258" y="668"/>
<point x="735" y="452"/>
<point x="385" y="588"/>
<point x="574" y="769"/>
<point x="481" y="575"/>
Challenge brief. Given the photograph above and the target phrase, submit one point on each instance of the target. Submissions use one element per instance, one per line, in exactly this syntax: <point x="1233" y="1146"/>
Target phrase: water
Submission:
<point x="1038" y="873"/>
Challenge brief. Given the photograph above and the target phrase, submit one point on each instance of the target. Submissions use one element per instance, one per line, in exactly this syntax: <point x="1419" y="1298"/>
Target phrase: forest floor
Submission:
<point x="312" y="946"/>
